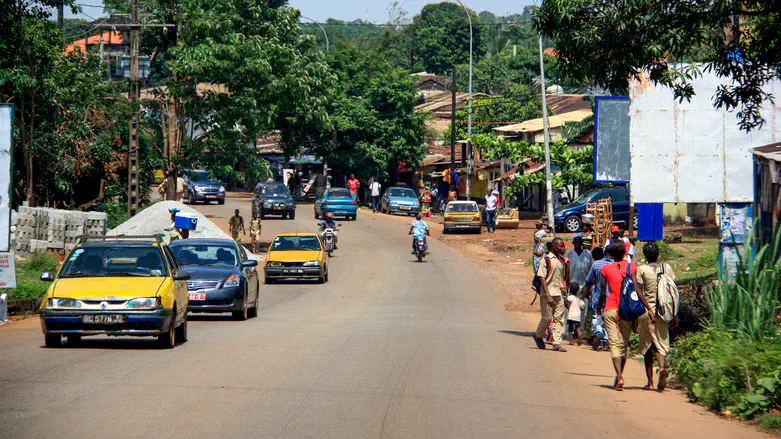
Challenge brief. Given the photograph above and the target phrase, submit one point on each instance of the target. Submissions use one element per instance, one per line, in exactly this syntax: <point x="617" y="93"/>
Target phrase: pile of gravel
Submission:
<point x="156" y="218"/>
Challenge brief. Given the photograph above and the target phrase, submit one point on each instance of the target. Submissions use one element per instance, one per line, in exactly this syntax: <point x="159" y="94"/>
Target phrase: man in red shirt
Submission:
<point x="353" y="184"/>
<point x="618" y="330"/>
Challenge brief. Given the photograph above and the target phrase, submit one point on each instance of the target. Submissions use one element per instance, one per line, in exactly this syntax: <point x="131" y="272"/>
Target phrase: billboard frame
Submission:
<point x="596" y="131"/>
<point x="12" y="108"/>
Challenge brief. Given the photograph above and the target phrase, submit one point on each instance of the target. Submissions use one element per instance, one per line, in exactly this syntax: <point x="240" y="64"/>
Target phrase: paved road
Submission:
<point x="388" y="348"/>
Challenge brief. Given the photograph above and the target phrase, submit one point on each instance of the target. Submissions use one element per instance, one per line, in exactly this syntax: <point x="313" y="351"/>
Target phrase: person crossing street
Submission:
<point x="491" y="201"/>
<point x="236" y="225"/>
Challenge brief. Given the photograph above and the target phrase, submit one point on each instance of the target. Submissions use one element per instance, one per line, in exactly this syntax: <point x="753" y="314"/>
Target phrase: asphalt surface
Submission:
<point x="387" y="348"/>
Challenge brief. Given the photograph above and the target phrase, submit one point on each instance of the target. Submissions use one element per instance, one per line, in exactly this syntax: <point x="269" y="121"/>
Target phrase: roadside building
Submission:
<point x="113" y="50"/>
<point x="767" y="189"/>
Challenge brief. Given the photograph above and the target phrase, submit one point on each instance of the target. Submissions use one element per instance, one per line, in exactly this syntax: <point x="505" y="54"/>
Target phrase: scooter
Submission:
<point x="420" y="249"/>
<point x="329" y="240"/>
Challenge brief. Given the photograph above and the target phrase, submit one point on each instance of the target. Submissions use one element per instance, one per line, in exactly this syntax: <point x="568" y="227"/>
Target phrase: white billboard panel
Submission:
<point x="6" y="148"/>
<point x="691" y="152"/>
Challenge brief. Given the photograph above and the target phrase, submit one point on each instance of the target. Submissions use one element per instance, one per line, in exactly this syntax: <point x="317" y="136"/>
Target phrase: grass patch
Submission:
<point x="666" y="251"/>
<point x="28" y="273"/>
<point x="770" y="421"/>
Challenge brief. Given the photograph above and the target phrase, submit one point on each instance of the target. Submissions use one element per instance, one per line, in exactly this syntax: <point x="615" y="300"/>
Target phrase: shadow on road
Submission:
<point x="518" y="333"/>
<point x="210" y="318"/>
<point x="146" y="343"/>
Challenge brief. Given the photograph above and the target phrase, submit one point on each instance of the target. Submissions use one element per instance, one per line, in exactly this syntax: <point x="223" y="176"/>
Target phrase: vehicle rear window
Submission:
<point x="402" y="193"/>
<point x="114" y="262"/>
<point x="462" y="207"/>
<point x="339" y="193"/>
<point x="283" y="243"/>
<point x="206" y="254"/>
<point x="275" y="190"/>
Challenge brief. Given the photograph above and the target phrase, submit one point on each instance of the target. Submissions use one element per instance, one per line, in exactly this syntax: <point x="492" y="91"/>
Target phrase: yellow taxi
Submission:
<point x="296" y="255"/>
<point x="462" y="215"/>
<point x="117" y="286"/>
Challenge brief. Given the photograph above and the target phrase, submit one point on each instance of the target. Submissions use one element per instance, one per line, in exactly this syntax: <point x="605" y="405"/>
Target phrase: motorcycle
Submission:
<point x="329" y="239"/>
<point x="420" y="249"/>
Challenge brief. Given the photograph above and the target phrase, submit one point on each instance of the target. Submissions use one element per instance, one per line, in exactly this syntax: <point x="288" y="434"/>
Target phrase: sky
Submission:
<point x="371" y="10"/>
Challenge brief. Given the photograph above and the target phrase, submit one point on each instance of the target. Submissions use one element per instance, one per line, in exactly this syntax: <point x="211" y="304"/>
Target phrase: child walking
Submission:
<point x="575" y="305"/>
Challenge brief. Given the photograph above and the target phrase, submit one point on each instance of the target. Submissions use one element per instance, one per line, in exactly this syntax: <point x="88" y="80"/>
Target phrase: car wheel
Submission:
<point x="167" y="340"/>
<point x="262" y="215"/>
<point x="322" y="279"/>
<point x="52" y="340"/>
<point x="74" y="339"/>
<point x="190" y="199"/>
<point x="316" y="215"/>
<point x="292" y="215"/>
<point x="241" y="314"/>
<point x="221" y="202"/>
<point x="326" y="276"/>
<point x="572" y="224"/>
<point x="181" y="332"/>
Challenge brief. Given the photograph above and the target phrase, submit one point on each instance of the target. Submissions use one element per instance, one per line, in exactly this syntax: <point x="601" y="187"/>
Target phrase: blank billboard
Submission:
<point x="611" y="140"/>
<point x="691" y="152"/>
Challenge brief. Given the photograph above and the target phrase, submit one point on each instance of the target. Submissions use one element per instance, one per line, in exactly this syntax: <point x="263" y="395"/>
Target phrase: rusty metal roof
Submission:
<point x="770" y="152"/>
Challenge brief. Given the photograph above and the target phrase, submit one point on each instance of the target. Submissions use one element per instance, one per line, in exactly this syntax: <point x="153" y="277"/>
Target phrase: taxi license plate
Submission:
<point x="404" y="207"/>
<point x="197" y="296"/>
<point x="211" y="196"/>
<point x="106" y="319"/>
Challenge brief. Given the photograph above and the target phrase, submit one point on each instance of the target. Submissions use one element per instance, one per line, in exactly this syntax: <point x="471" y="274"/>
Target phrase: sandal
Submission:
<point x="648" y="387"/>
<point x="663" y="374"/>
<point x="619" y="385"/>
<point x="559" y="348"/>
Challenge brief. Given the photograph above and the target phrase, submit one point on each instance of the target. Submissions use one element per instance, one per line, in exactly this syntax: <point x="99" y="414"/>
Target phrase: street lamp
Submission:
<point x="469" y="111"/>
<point x="321" y="28"/>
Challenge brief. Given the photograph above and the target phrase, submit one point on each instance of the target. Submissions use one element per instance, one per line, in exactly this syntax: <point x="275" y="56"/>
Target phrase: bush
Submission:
<point x="709" y="260"/>
<point x="41" y="262"/>
<point x="770" y="421"/>
<point x="666" y="251"/>
<point x="28" y="283"/>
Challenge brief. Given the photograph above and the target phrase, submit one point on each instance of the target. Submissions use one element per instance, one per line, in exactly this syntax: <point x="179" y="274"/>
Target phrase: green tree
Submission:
<point x="611" y="42"/>
<point x="441" y="36"/>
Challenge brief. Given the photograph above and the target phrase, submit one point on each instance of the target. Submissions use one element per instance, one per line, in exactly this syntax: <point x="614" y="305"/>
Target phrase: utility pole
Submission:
<point x="546" y="133"/>
<point x="132" y="152"/>
<point x="453" y="127"/>
<point x="60" y="14"/>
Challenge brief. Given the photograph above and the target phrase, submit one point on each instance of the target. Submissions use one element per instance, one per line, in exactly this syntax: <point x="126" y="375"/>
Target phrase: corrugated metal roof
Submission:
<point x="109" y="37"/>
<point x="770" y="152"/>
<point x="535" y="125"/>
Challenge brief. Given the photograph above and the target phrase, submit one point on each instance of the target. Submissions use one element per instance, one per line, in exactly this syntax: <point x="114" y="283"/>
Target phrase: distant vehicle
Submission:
<point x="462" y="215"/>
<point x="199" y="187"/>
<point x="570" y="216"/>
<point x="222" y="277"/>
<point x="296" y="255"/>
<point x="400" y="200"/>
<point x="129" y="286"/>
<point x="339" y="202"/>
<point x="273" y="199"/>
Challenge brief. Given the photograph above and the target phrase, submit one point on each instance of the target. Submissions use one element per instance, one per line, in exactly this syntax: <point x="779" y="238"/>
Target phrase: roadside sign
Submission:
<point x="6" y="153"/>
<point x="7" y="270"/>
<point x="611" y="140"/>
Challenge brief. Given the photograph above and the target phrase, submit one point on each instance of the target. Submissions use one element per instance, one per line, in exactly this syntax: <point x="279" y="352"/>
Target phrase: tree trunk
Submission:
<point x="29" y="162"/>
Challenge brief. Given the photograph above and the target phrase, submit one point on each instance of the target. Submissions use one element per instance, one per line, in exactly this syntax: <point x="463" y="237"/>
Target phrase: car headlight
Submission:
<point x="394" y="203"/>
<point x="267" y="204"/>
<point x="312" y="264"/>
<point x="274" y="264"/>
<point x="232" y="281"/>
<point x="222" y="189"/>
<point x="144" y="303"/>
<point x="63" y="303"/>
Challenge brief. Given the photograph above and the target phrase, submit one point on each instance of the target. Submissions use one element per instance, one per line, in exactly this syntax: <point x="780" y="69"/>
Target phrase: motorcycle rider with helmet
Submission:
<point x="329" y="223"/>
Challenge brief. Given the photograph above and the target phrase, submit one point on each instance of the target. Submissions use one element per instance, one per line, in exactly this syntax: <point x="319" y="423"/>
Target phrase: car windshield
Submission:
<point x="402" y="193"/>
<point x="283" y="243"/>
<point x="582" y="198"/>
<point x="200" y="177"/>
<point x="206" y="254"/>
<point x="143" y="261"/>
<point x="339" y="193"/>
<point x="462" y="207"/>
<point x="276" y="190"/>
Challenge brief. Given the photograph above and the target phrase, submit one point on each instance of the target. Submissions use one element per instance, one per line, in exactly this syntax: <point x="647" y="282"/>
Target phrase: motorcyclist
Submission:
<point x="329" y="223"/>
<point x="419" y="229"/>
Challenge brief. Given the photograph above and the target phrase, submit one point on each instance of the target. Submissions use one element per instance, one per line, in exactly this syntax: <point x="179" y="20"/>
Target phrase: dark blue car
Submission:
<point x="222" y="276"/>
<point x="570" y="217"/>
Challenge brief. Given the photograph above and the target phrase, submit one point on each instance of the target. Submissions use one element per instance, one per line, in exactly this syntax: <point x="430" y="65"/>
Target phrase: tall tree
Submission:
<point x="441" y="36"/>
<point x="611" y="41"/>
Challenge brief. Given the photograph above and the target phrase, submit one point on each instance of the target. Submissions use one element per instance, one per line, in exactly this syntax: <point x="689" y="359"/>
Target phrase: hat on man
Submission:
<point x="614" y="229"/>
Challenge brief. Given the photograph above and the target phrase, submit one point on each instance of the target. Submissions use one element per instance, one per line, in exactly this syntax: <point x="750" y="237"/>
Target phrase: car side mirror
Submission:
<point x="47" y="276"/>
<point x="249" y="263"/>
<point x="181" y="275"/>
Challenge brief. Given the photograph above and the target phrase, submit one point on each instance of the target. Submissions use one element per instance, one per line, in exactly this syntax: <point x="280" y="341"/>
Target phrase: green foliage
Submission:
<point x="611" y="43"/>
<point x="441" y="36"/>
<point x="28" y="283"/>
<point x="709" y="260"/>
<point x="41" y="262"/>
<point x="748" y="305"/>
<point x="770" y="421"/>
<point x="666" y="251"/>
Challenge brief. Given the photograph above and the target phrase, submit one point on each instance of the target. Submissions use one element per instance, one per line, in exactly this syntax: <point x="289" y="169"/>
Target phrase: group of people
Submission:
<point x="583" y="286"/>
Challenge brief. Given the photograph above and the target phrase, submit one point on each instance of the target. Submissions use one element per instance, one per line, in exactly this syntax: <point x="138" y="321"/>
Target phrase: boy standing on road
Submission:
<point x="491" y="202"/>
<point x="235" y="225"/>
<point x="552" y="274"/>
<point x="353" y="184"/>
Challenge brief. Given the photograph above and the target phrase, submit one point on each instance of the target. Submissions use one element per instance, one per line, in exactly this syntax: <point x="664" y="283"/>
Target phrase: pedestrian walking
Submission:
<point x="236" y="225"/>
<point x="575" y="307"/>
<point x="618" y="330"/>
<point x="580" y="261"/>
<point x="353" y="184"/>
<point x="319" y="183"/>
<point x="552" y="276"/>
<point x="254" y="234"/>
<point x="653" y="333"/>
<point x="375" y="187"/>
<point x="3" y="309"/>
<point x="491" y="201"/>
<point x="616" y="234"/>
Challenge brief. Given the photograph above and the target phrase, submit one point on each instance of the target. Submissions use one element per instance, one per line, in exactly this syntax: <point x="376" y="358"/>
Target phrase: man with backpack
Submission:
<point x="656" y="282"/>
<point x="551" y="284"/>
<point x="617" y="282"/>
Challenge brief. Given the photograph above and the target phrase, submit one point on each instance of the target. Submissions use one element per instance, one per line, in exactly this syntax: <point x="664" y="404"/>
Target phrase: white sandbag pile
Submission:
<point x="155" y="219"/>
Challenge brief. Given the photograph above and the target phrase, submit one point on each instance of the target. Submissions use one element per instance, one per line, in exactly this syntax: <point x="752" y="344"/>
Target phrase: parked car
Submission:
<point x="199" y="187"/>
<point x="400" y="200"/>
<point x="272" y="199"/>
<point x="462" y="215"/>
<point x="339" y="202"/>
<point x="222" y="277"/>
<point x="570" y="216"/>
<point x="128" y="286"/>
<point x="296" y="255"/>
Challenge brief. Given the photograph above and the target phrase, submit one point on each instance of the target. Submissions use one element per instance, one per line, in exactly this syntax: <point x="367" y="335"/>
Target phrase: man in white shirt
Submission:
<point x="491" y="201"/>
<point x="375" y="188"/>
